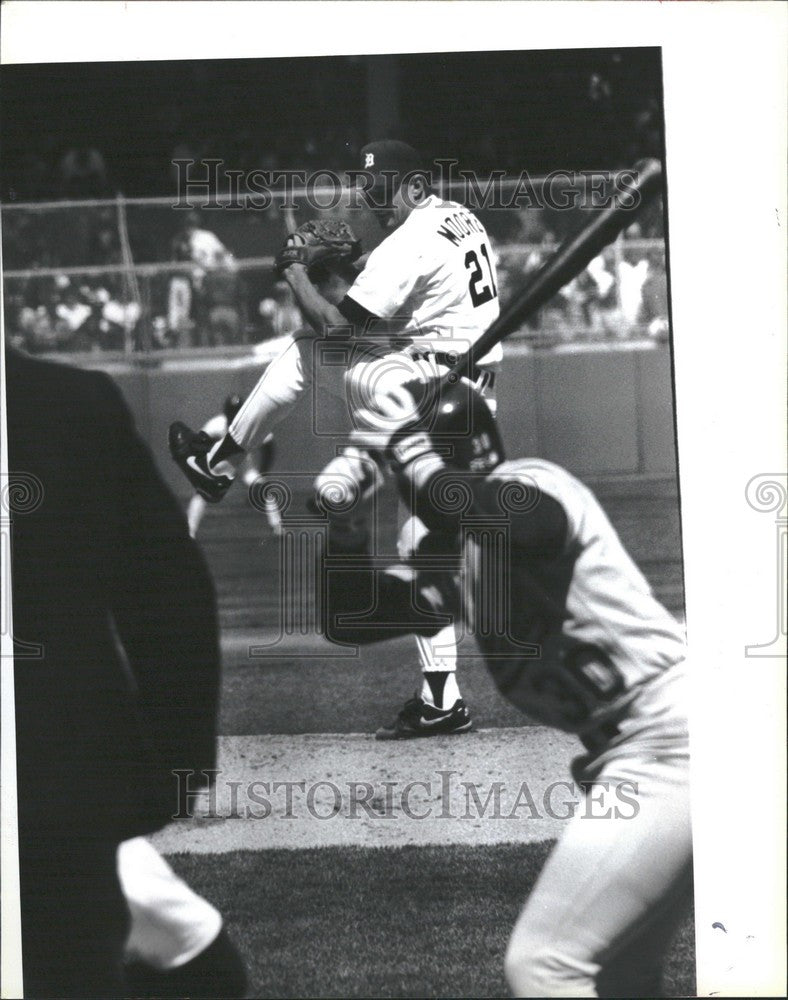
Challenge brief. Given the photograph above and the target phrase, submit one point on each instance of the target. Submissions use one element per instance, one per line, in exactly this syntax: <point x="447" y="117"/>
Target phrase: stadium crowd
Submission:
<point x="203" y="297"/>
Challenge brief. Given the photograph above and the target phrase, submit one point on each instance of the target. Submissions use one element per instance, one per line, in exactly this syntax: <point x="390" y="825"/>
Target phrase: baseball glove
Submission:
<point x="318" y="241"/>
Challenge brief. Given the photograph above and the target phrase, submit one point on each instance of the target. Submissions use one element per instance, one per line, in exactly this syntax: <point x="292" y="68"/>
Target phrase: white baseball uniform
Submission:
<point x="434" y="280"/>
<point x="428" y="292"/>
<point x="434" y="284"/>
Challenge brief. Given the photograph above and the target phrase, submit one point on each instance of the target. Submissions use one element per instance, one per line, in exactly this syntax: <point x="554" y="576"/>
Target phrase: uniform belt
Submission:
<point x="448" y="360"/>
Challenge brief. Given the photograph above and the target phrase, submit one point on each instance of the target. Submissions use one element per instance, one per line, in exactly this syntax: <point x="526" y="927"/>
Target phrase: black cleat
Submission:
<point x="189" y="451"/>
<point x="417" y="718"/>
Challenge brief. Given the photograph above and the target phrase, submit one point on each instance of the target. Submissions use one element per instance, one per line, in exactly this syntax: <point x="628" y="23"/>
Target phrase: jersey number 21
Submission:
<point x="481" y="285"/>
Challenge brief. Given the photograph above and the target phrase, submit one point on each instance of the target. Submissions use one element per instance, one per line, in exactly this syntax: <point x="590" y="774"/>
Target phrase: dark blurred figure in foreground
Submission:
<point x="116" y="666"/>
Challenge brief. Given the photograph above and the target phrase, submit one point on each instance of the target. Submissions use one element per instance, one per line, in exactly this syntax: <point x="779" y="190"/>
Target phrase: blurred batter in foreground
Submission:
<point x="572" y="635"/>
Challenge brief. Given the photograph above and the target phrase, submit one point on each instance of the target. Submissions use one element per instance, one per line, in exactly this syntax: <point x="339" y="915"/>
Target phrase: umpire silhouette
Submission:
<point x="123" y="687"/>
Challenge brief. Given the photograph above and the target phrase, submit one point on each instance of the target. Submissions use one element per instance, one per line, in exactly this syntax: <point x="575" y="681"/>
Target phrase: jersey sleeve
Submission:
<point x="541" y="530"/>
<point x="392" y="273"/>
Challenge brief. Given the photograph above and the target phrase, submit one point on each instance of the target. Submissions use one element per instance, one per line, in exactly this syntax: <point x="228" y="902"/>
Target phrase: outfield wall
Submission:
<point x="597" y="409"/>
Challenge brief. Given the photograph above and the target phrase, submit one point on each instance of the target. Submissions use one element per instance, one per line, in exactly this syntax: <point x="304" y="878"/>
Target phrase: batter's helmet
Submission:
<point x="231" y="406"/>
<point x="452" y="420"/>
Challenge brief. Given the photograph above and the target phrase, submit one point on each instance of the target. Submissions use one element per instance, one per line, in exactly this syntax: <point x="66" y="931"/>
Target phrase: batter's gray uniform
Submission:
<point x="585" y="647"/>
<point x="612" y="670"/>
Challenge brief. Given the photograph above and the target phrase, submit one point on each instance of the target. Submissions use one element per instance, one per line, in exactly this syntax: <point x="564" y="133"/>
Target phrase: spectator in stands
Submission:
<point x="541" y="252"/>
<point x="603" y="306"/>
<point x="600" y="270"/>
<point x="207" y="255"/>
<point x="75" y="323"/>
<point x="36" y="331"/>
<point x="281" y="316"/>
<point x="578" y="317"/>
<point x="102" y="239"/>
<point x="225" y="315"/>
<point x="200" y="246"/>
<point x="631" y="281"/>
<point x="13" y="305"/>
<point x="654" y="308"/>
<point x="178" y="325"/>
<point x="116" y="320"/>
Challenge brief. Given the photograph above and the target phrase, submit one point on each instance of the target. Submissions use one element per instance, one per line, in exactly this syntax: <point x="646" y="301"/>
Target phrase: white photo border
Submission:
<point x="725" y="107"/>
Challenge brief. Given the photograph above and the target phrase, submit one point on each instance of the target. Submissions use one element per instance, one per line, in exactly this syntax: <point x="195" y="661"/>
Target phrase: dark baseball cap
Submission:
<point x="391" y="155"/>
<point x="387" y="162"/>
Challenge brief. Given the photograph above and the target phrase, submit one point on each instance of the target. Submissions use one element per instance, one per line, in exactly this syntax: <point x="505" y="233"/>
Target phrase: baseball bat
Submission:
<point x="572" y="257"/>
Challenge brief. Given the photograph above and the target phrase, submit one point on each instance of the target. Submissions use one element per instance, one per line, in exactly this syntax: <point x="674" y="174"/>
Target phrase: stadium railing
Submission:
<point x="99" y="276"/>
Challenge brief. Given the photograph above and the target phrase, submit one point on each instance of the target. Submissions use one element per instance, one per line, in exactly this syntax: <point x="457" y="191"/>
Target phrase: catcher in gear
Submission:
<point x="571" y="634"/>
<point x="425" y="294"/>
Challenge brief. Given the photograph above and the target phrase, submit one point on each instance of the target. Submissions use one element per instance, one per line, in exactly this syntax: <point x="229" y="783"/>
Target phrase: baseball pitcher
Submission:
<point x="425" y="295"/>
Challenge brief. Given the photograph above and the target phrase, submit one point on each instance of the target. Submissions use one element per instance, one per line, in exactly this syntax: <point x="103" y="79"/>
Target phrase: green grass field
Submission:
<point x="399" y="922"/>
